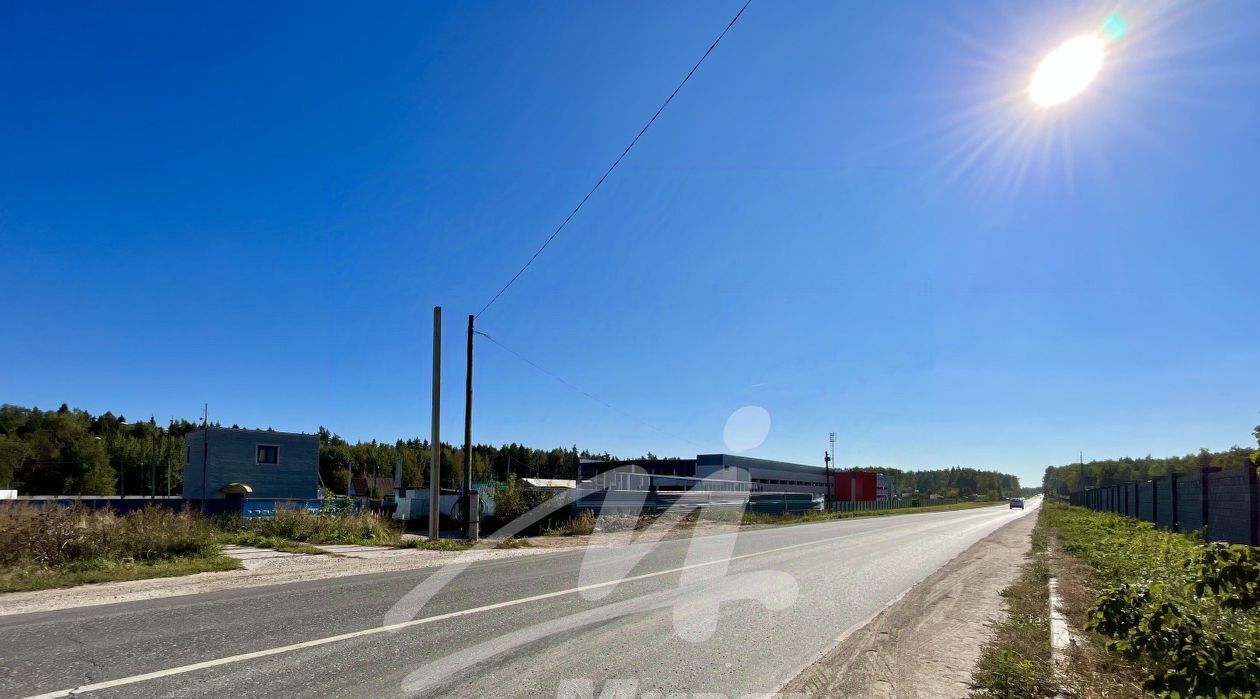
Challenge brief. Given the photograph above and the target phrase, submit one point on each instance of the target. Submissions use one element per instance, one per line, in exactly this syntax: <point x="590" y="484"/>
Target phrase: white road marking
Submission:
<point x="228" y="660"/>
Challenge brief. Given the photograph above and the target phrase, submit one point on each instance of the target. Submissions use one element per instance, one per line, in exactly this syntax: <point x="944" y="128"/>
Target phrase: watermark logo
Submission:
<point x="636" y="512"/>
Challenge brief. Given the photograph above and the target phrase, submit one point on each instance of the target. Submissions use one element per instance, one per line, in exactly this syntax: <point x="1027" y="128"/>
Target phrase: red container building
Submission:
<point x="855" y="486"/>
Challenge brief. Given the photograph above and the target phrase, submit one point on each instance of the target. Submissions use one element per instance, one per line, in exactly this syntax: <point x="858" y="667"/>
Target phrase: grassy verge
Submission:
<point x="1016" y="662"/>
<point x="300" y="527"/>
<point x="30" y="577"/>
<point x="458" y="544"/>
<point x="60" y="547"/>
<point x="1164" y="613"/>
<point x="438" y="544"/>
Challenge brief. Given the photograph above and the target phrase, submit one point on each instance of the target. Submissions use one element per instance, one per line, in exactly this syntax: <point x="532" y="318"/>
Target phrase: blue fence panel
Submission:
<point x="263" y="508"/>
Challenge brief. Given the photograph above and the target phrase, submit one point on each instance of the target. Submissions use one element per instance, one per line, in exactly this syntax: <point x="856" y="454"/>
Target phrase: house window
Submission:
<point x="268" y="454"/>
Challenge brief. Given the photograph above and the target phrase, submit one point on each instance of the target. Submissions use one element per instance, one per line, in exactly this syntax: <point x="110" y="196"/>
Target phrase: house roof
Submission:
<point x="215" y="428"/>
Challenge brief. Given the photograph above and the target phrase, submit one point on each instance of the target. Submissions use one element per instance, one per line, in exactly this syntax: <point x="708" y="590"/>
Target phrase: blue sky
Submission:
<point x="849" y="217"/>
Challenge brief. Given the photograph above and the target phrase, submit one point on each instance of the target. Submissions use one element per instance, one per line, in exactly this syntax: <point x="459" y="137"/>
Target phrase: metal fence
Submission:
<point x="1223" y="505"/>
<point x="888" y="504"/>
<point x="645" y="502"/>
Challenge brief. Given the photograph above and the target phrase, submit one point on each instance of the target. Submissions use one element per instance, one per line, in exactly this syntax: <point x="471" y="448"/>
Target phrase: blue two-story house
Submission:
<point x="221" y="461"/>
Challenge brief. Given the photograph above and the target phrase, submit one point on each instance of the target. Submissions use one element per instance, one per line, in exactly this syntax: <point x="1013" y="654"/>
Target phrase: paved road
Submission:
<point x="732" y="615"/>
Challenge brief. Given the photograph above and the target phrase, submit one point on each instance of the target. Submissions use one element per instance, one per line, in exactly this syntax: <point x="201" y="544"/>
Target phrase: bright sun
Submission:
<point x="1066" y="71"/>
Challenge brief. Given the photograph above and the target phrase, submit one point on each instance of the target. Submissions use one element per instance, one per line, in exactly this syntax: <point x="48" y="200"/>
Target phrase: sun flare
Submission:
<point x="1066" y="71"/>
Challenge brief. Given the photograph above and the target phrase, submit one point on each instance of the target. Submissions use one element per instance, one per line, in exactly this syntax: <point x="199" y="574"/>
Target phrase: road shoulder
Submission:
<point x="267" y="568"/>
<point x="927" y="642"/>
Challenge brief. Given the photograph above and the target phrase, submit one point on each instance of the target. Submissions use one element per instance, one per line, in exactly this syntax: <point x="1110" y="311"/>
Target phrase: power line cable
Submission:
<point x="616" y="162"/>
<point x="584" y="392"/>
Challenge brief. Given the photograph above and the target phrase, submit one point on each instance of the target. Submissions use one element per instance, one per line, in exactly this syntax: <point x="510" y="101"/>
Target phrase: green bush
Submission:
<point x="1188" y="611"/>
<point x="1230" y="573"/>
<point x="512" y="501"/>
<point x="509" y="501"/>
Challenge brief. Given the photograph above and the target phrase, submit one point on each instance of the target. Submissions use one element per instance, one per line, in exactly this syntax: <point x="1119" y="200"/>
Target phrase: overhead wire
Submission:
<point x="583" y="391"/>
<point x="616" y="162"/>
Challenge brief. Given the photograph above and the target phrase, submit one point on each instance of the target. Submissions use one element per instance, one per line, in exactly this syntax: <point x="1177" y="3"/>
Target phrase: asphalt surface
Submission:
<point x="731" y="615"/>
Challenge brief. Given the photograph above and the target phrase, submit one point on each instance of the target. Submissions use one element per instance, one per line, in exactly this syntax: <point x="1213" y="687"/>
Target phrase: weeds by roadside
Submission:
<point x="458" y="544"/>
<point x="100" y="570"/>
<point x="1183" y="615"/>
<point x="1016" y="663"/>
<point x="306" y="527"/>
<point x="60" y="547"/>
<point x="581" y="525"/>
<point x="437" y="544"/>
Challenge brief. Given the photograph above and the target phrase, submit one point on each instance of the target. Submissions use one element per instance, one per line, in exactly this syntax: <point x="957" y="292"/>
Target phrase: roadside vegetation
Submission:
<point x="437" y="544"/>
<point x="61" y="547"/>
<point x="1156" y="613"/>
<point x="300" y="530"/>
<point x="459" y="544"/>
<point x="1183" y="615"/>
<point x="306" y="527"/>
<point x="1016" y="662"/>
<point x="584" y="523"/>
<point x="67" y="546"/>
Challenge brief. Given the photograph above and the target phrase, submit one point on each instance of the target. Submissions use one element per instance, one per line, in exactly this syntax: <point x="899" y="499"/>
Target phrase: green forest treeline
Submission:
<point x="70" y="451"/>
<point x="1062" y="480"/>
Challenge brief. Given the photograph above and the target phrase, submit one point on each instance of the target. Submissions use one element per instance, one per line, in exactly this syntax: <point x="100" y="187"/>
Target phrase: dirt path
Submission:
<point x="926" y="643"/>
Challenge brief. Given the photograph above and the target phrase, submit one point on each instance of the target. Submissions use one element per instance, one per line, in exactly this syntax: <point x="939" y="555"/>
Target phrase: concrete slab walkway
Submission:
<point x="357" y="551"/>
<point x="255" y="558"/>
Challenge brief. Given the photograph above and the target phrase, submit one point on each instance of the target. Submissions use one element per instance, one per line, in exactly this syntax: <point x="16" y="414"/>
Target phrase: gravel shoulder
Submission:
<point x="263" y="570"/>
<point x="266" y="567"/>
<point x="926" y="643"/>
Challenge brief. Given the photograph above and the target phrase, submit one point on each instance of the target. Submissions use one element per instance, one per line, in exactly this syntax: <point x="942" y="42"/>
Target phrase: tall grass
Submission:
<point x="64" y="546"/>
<point x="57" y="536"/>
<point x="321" y="527"/>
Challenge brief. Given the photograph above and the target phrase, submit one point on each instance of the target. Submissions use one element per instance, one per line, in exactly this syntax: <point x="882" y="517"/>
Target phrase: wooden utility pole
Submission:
<point x="435" y="440"/>
<point x="472" y="505"/>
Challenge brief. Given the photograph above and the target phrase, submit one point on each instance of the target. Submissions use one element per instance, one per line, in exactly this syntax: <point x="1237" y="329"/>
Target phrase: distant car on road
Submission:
<point x="1017" y="502"/>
